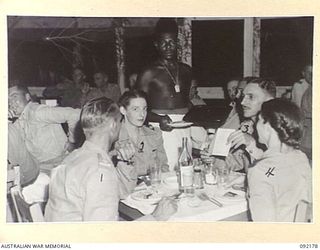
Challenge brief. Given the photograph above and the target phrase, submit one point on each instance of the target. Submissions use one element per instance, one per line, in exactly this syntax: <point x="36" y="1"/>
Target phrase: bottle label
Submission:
<point x="186" y="176"/>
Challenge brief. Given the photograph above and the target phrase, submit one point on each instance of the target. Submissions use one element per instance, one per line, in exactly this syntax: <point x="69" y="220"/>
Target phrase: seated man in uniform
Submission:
<point x="103" y="88"/>
<point x="167" y="83"/>
<point x="255" y="94"/>
<point x="87" y="186"/>
<point x="72" y="93"/>
<point x="40" y="127"/>
<point x="244" y="145"/>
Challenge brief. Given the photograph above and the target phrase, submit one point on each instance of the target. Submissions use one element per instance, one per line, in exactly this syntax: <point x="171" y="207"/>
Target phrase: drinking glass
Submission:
<point x="155" y="175"/>
<point x="223" y="172"/>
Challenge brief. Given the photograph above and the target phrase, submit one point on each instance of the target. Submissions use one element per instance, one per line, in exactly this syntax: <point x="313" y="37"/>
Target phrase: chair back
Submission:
<point x="303" y="212"/>
<point x="25" y="212"/>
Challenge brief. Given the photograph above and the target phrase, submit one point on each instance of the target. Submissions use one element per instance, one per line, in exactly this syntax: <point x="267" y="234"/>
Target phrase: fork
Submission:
<point x="204" y="196"/>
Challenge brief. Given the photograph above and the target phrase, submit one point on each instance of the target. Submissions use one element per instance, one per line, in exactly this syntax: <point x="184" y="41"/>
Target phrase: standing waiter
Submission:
<point x="167" y="83"/>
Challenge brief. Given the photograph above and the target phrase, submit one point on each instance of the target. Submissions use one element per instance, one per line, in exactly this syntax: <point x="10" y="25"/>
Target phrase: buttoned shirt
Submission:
<point x="277" y="182"/>
<point x="148" y="148"/>
<point x="19" y="155"/>
<point x="41" y="130"/>
<point x="233" y="119"/>
<point x="87" y="186"/>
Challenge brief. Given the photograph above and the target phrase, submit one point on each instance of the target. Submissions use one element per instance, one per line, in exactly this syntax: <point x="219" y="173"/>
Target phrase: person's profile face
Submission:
<point x="167" y="46"/>
<point x="100" y="80"/>
<point x="17" y="100"/>
<point x="253" y="98"/>
<point x="232" y="89"/>
<point x="136" y="112"/>
<point x="307" y="74"/>
<point x="263" y="131"/>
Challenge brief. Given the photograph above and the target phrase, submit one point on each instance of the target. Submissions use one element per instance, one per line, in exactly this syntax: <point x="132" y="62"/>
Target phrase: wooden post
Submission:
<point x="251" y="58"/>
<point x="256" y="46"/>
<point x="119" y="29"/>
<point x="185" y="40"/>
<point x="77" y="61"/>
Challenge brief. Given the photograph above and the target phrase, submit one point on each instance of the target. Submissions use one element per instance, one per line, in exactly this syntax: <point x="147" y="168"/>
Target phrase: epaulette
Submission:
<point x="151" y="127"/>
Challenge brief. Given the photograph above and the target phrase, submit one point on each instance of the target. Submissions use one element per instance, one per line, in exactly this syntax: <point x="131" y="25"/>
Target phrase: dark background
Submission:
<point x="286" y="46"/>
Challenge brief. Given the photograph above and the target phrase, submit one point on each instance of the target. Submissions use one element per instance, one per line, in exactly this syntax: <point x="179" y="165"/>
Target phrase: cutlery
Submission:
<point x="204" y="196"/>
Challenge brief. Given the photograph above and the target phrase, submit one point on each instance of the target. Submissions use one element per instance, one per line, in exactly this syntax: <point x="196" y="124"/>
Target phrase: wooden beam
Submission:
<point x="119" y="29"/>
<point x="248" y="47"/>
<point x="185" y="40"/>
<point x="251" y="47"/>
<point x="256" y="46"/>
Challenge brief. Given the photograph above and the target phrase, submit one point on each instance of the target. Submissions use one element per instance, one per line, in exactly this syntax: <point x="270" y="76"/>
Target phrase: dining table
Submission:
<point x="208" y="204"/>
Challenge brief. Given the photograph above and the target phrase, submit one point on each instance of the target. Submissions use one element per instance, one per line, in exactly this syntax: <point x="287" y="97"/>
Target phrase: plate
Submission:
<point x="230" y="195"/>
<point x="180" y="124"/>
<point x="171" y="182"/>
<point x="148" y="195"/>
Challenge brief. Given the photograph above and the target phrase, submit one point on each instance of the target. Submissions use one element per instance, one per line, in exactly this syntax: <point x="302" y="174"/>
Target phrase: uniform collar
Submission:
<point x="143" y="131"/>
<point x="95" y="148"/>
<point x="24" y="113"/>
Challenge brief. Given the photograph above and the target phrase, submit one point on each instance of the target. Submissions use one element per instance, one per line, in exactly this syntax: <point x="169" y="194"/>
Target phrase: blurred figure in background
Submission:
<point x="103" y="88"/>
<point x="71" y="93"/>
<point x="306" y="106"/>
<point x="300" y="87"/>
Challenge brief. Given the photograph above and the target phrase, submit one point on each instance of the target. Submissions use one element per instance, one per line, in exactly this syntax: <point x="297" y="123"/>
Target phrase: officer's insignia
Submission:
<point x="270" y="172"/>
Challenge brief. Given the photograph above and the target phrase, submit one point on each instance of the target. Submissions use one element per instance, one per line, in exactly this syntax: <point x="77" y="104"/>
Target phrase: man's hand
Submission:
<point x="69" y="147"/>
<point x="239" y="138"/>
<point x="125" y="152"/>
<point x="164" y="121"/>
<point x="165" y="208"/>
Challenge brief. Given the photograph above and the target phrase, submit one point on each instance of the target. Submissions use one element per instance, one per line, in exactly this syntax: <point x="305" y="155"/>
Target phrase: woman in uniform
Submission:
<point x="146" y="140"/>
<point x="282" y="177"/>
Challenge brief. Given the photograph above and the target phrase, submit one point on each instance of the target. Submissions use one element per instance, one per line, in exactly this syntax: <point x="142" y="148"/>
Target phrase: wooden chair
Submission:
<point x="25" y="212"/>
<point x="303" y="212"/>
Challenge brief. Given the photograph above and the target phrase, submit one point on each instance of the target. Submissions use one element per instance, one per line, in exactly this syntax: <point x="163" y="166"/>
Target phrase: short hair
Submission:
<point x="124" y="100"/>
<point x="285" y="118"/>
<point x="249" y="79"/>
<point x="97" y="112"/>
<point x="100" y="72"/>
<point x="266" y="84"/>
<point x="24" y="89"/>
<point x="166" y="25"/>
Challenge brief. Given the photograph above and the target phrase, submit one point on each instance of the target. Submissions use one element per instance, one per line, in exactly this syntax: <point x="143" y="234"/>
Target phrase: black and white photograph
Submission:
<point x="163" y="119"/>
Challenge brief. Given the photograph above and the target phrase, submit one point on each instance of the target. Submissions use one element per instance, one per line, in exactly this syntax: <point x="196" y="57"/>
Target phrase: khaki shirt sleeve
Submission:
<point x="262" y="199"/>
<point x="60" y="115"/>
<point x="102" y="196"/>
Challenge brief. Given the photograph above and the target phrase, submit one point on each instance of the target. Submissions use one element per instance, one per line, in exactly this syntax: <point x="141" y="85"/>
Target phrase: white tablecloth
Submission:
<point x="192" y="209"/>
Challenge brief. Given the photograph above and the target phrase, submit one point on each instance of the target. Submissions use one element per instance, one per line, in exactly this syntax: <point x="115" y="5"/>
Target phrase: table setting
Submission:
<point x="215" y="194"/>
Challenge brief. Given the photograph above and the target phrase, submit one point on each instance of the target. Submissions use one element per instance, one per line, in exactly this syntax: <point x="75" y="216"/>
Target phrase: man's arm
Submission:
<point x="59" y="115"/>
<point x="163" y="120"/>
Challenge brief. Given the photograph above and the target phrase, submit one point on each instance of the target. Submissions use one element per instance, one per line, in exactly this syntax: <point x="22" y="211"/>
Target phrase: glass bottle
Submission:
<point x="185" y="164"/>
